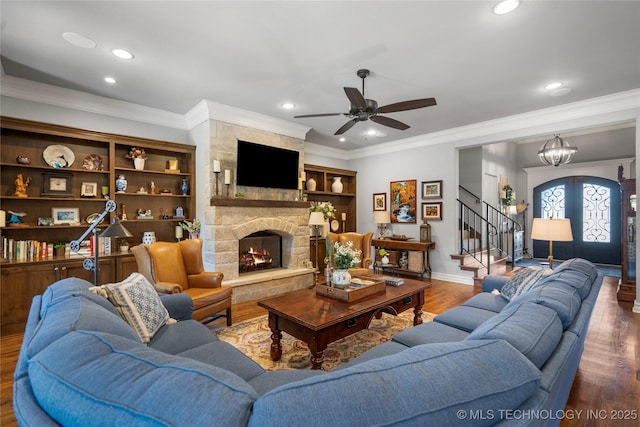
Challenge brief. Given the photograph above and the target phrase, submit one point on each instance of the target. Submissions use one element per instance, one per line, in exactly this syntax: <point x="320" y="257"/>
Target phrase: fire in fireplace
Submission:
<point x="259" y="251"/>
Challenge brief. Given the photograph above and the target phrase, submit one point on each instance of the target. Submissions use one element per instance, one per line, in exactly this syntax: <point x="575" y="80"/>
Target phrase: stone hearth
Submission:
<point x="229" y="220"/>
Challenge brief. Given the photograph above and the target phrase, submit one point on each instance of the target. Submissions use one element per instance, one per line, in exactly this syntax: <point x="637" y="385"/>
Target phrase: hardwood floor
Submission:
<point x="606" y="385"/>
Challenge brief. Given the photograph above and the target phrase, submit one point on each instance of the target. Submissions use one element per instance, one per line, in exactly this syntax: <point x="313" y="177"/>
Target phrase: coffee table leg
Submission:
<point x="317" y="357"/>
<point x="417" y="315"/>
<point x="276" y="345"/>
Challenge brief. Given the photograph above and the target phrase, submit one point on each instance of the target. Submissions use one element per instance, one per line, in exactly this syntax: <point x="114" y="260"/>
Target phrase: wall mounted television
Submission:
<point x="269" y="167"/>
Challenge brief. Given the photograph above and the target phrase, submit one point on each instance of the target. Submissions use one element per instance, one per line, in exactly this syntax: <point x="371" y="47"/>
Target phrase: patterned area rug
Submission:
<point x="253" y="338"/>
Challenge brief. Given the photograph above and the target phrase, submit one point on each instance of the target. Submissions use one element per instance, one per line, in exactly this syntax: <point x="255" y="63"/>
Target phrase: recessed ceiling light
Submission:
<point x="506" y="6"/>
<point x="288" y="106"/>
<point x="554" y="85"/>
<point x="342" y="139"/>
<point x="122" y="54"/>
<point x="560" y="92"/>
<point x="79" y="40"/>
<point x="110" y="80"/>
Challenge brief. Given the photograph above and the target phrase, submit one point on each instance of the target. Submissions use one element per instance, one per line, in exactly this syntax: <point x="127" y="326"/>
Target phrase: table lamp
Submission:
<point x="551" y="229"/>
<point x="382" y="218"/>
<point x="316" y="220"/>
<point x="116" y="229"/>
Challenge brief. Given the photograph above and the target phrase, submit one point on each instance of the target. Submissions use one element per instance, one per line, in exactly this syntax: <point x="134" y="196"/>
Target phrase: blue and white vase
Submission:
<point x="184" y="187"/>
<point x="121" y="184"/>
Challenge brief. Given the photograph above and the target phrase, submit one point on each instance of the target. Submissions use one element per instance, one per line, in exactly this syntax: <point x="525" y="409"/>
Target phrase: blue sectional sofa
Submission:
<point x="488" y="361"/>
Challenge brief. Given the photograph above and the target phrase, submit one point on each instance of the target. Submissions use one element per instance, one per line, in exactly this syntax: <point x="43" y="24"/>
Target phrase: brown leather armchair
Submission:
<point x="178" y="267"/>
<point x="360" y="241"/>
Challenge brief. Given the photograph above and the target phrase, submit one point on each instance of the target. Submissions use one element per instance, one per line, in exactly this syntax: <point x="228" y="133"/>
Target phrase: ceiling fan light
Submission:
<point x="554" y="85"/>
<point x="556" y="152"/>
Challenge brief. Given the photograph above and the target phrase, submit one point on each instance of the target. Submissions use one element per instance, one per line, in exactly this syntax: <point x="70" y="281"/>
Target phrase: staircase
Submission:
<point x="487" y="241"/>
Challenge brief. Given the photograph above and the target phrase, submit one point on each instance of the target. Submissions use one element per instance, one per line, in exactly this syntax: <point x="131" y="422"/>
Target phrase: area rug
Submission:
<point x="253" y="338"/>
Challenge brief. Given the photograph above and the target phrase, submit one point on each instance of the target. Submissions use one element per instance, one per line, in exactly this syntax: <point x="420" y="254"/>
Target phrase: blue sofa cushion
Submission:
<point x="273" y="379"/>
<point x="225" y="356"/>
<point x="423" y="385"/>
<point x="579" y="264"/>
<point x="428" y="333"/>
<point x="560" y="297"/>
<point x="522" y="281"/>
<point x="182" y="336"/>
<point x="66" y="306"/>
<point x="487" y="301"/>
<point x="121" y="381"/>
<point x="576" y="279"/>
<point x="533" y="329"/>
<point x="465" y="318"/>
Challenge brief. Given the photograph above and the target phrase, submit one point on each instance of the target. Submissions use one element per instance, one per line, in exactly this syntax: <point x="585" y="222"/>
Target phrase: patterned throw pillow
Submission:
<point x="138" y="303"/>
<point x="522" y="281"/>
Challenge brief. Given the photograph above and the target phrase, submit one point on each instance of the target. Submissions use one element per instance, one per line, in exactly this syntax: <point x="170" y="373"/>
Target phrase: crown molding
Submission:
<point x="30" y="90"/>
<point x="207" y="109"/>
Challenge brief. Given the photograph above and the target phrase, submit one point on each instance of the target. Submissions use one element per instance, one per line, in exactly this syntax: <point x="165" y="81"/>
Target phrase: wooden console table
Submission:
<point x="402" y="245"/>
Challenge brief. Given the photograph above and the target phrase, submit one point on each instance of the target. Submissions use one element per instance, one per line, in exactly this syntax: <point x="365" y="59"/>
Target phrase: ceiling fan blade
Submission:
<point x="355" y="97"/>
<point x="392" y="123"/>
<point x="346" y="127"/>
<point x="319" y="115"/>
<point x="407" y="105"/>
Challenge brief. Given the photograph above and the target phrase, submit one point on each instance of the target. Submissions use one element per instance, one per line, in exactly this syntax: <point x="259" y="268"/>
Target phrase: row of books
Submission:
<point x="34" y="250"/>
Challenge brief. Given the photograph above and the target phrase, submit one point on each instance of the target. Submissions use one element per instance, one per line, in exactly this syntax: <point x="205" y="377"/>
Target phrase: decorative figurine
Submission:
<point x="152" y="188"/>
<point x="21" y="186"/>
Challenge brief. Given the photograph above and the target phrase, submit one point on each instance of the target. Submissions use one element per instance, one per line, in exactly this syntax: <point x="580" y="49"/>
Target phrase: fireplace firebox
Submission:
<point x="259" y="251"/>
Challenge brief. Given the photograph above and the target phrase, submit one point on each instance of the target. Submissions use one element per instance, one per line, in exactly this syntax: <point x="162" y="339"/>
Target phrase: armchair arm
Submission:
<point x="205" y="279"/>
<point x="167" y="288"/>
<point x="366" y="262"/>
<point x="179" y="306"/>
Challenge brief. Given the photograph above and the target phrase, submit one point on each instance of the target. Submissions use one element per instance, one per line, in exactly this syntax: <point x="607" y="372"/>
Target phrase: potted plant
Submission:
<point x="344" y="257"/>
<point x="192" y="227"/>
<point x="138" y="156"/>
<point x="59" y="248"/>
<point x="123" y="245"/>
<point x="385" y="259"/>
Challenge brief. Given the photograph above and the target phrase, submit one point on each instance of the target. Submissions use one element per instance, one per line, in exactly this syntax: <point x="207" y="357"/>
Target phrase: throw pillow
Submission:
<point x="138" y="303"/>
<point x="522" y="281"/>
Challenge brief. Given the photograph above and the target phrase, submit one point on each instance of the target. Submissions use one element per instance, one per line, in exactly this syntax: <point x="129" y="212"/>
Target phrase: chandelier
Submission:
<point x="556" y="152"/>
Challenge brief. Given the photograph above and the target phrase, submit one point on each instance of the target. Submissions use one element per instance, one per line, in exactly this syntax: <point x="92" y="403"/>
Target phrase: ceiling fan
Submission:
<point x="363" y="109"/>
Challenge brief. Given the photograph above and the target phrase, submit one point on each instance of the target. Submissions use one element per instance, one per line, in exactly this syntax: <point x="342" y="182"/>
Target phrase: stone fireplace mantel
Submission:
<point x="257" y="203"/>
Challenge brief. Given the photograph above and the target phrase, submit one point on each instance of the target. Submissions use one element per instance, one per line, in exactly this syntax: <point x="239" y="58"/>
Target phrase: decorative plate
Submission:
<point x="335" y="225"/>
<point x="93" y="162"/>
<point x="58" y="156"/>
<point x="93" y="217"/>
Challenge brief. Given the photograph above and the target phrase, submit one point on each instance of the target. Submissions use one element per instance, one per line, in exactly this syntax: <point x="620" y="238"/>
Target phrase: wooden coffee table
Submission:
<point x="319" y="320"/>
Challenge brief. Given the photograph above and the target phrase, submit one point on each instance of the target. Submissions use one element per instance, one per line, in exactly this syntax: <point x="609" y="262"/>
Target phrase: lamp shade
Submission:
<point x="381" y="217"/>
<point x="556" y="230"/>
<point x="316" y="218"/>
<point x="116" y="229"/>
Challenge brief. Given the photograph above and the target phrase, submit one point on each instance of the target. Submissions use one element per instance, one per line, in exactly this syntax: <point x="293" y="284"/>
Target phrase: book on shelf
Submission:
<point x="393" y="281"/>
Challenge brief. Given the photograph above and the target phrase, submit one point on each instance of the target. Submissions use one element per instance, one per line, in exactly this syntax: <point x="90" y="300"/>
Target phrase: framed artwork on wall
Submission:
<point x="65" y="216"/>
<point x="380" y="201"/>
<point x="432" y="210"/>
<point x="403" y="201"/>
<point x="89" y="189"/>
<point x="56" y="185"/>
<point x="432" y="189"/>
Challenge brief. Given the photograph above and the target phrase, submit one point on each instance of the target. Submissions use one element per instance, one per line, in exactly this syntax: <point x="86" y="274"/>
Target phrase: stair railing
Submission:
<point x="473" y="241"/>
<point x="503" y="241"/>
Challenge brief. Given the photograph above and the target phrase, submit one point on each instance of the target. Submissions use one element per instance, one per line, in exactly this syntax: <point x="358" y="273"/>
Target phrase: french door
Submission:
<point x="593" y="206"/>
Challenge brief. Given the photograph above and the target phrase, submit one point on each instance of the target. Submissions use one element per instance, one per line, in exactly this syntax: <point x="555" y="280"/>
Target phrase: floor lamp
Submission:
<point x="114" y="230"/>
<point x="316" y="220"/>
<point x="550" y="229"/>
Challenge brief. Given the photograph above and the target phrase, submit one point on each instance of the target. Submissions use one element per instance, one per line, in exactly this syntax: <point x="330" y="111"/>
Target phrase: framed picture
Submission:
<point x="89" y="189"/>
<point x="403" y="201"/>
<point x="432" y="189"/>
<point x="432" y="210"/>
<point x="56" y="185"/>
<point x="65" y="216"/>
<point x="380" y="201"/>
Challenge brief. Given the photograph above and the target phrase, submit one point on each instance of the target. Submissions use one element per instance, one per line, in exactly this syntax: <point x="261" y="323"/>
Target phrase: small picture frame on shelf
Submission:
<point x="89" y="189"/>
<point x="432" y="189"/>
<point x="432" y="210"/>
<point x="65" y="216"/>
<point x="380" y="201"/>
<point x="56" y="185"/>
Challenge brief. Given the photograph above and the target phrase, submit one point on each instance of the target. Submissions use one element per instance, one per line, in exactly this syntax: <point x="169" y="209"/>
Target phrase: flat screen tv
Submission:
<point x="264" y="166"/>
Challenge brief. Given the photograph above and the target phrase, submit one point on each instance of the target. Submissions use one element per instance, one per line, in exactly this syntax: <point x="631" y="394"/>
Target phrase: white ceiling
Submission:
<point x="258" y="55"/>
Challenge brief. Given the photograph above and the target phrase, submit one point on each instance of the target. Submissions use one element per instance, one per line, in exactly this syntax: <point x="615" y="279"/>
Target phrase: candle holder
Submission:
<point x="217" y="173"/>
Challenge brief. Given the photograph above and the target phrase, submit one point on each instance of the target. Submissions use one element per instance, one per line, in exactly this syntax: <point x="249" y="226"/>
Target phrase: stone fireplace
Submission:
<point x="259" y="251"/>
<point x="230" y="221"/>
